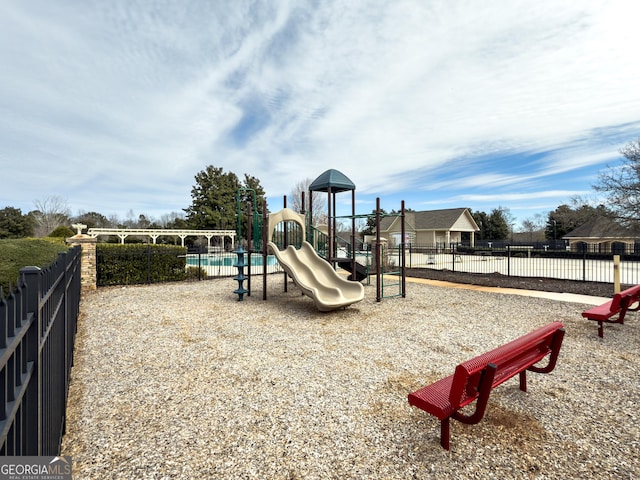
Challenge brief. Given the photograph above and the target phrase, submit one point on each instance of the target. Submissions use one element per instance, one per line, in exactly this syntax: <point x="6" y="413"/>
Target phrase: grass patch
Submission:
<point x="22" y="252"/>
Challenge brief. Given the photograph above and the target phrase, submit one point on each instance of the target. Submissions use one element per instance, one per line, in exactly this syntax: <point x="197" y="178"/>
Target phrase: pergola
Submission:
<point x="154" y="233"/>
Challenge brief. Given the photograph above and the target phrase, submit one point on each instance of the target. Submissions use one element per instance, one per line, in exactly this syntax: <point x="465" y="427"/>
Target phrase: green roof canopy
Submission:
<point x="337" y="181"/>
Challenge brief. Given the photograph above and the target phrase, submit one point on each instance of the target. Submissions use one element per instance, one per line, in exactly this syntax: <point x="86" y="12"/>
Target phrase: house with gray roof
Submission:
<point x="602" y="235"/>
<point x="432" y="227"/>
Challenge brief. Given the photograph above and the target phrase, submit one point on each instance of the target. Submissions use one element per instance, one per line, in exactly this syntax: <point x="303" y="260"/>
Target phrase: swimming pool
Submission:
<point x="227" y="260"/>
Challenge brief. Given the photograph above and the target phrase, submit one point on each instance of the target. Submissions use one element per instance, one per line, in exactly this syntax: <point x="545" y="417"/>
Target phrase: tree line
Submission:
<point x="215" y="198"/>
<point x="216" y="195"/>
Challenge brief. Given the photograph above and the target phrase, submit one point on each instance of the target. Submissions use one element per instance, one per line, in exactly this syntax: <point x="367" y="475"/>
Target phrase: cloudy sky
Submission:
<point x="115" y="105"/>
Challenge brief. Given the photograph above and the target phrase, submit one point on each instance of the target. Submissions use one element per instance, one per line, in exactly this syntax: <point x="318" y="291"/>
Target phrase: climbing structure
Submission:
<point x="311" y="273"/>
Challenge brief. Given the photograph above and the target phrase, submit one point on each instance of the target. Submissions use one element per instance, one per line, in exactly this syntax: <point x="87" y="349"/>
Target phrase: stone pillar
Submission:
<point x="88" y="262"/>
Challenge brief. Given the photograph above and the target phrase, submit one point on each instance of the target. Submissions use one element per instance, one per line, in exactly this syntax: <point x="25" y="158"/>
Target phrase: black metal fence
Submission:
<point x="585" y="264"/>
<point x="37" y="332"/>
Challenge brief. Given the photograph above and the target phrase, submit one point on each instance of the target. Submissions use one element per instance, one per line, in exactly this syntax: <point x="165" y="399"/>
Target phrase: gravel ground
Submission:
<point x="182" y="381"/>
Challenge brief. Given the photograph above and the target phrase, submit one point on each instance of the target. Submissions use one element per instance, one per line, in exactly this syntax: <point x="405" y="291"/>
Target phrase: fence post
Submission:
<point x="616" y="274"/>
<point x="88" y="264"/>
<point x="508" y="260"/>
<point x="148" y="263"/>
<point x="453" y="259"/>
<point x="32" y="279"/>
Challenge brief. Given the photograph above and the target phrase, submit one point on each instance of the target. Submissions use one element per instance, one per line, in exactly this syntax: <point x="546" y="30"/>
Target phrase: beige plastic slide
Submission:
<point x="317" y="278"/>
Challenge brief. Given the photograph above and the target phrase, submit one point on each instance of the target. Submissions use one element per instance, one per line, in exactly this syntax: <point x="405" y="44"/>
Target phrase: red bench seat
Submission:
<point x="626" y="301"/>
<point x="474" y="379"/>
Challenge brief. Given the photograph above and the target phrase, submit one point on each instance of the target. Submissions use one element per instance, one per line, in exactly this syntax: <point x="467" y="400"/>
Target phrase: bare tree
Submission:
<point x="130" y="222"/>
<point x="534" y="227"/>
<point x="621" y="185"/>
<point x="49" y="214"/>
<point x="114" y="221"/>
<point x="319" y="207"/>
<point x="170" y="219"/>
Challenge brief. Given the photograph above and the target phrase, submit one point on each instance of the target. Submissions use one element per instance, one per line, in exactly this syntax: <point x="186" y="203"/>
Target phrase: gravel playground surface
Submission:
<point x="182" y="381"/>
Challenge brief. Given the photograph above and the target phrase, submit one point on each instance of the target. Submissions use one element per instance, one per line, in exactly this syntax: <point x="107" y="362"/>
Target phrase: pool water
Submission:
<point x="228" y="260"/>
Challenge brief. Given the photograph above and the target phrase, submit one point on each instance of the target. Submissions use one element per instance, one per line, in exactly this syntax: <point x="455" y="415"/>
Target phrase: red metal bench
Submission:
<point x="475" y="378"/>
<point x="618" y="306"/>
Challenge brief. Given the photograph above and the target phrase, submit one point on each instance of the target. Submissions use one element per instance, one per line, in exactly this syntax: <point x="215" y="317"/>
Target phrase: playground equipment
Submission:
<point x="317" y="250"/>
<point x="311" y="273"/>
<point x="240" y="278"/>
<point x="333" y="182"/>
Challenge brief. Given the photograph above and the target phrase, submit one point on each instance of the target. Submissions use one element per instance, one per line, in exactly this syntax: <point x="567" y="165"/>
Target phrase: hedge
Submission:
<point x="129" y="264"/>
<point x="21" y="252"/>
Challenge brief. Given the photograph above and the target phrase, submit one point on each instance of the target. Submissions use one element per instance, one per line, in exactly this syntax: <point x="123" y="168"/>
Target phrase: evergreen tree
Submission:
<point x="483" y="224"/>
<point x="498" y="228"/>
<point x="565" y="218"/>
<point x="494" y="226"/>
<point x="92" y="220"/>
<point x="252" y="186"/>
<point x="370" y="228"/>
<point x="214" y="197"/>
<point x="13" y="224"/>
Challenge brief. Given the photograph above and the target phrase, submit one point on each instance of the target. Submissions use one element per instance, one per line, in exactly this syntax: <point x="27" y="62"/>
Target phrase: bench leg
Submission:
<point x="523" y="380"/>
<point x="600" y="330"/>
<point x="444" y="433"/>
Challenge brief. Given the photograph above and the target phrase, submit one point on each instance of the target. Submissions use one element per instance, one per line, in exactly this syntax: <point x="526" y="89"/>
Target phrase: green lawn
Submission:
<point x="18" y="253"/>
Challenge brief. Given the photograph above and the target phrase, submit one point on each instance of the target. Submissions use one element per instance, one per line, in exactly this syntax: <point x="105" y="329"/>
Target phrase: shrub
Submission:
<point x="62" y="232"/>
<point x="195" y="273"/>
<point x="23" y="252"/>
<point x="128" y="264"/>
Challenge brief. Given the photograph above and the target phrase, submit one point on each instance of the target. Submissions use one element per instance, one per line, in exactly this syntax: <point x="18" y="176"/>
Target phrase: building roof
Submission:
<point x="601" y="227"/>
<point x="338" y="182"/>
<point x="444" y="219"/>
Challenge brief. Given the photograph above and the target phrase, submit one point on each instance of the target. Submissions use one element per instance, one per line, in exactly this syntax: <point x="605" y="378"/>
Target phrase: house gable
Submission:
<point x="458" y="219"/>
<point x="432" y="226"/>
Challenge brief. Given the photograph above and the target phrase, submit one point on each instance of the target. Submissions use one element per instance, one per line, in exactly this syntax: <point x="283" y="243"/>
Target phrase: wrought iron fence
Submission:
<point x="535" y="260"/>
<point x="585" y="264"/>
<point x="222" y="264"/>
<point x="37" y="332"/>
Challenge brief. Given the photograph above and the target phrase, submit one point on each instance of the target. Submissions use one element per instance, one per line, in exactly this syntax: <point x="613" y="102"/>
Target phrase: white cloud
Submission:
<point x="436" y="96"/>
